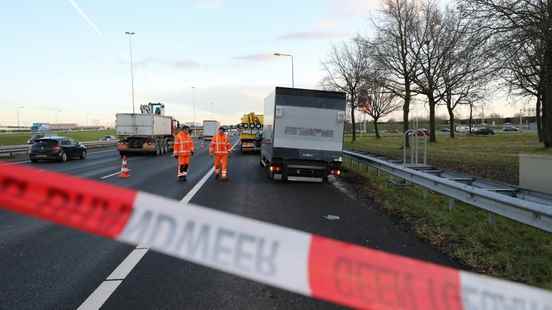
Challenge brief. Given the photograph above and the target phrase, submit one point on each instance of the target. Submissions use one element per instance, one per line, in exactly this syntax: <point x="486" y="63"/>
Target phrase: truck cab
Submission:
<point x="251" y="128"/>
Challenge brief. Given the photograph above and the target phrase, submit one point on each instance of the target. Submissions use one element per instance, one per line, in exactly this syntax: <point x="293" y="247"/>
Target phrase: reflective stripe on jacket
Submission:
<point x="220" y="145"/>
<point x="183" y="144"/>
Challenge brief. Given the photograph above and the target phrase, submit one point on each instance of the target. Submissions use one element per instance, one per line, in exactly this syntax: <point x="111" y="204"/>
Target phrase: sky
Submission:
<point x="68" y="60"/>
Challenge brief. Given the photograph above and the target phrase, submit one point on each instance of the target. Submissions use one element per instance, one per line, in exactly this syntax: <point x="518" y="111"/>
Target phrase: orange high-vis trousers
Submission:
<point x="183" y="160"/>
<point x="221" y="163"/>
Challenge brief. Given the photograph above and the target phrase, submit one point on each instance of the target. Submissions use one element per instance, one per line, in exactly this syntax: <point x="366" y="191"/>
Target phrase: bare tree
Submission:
<point x="522" y="31"/>
<point x="473" y="100"/>
<point x="376" y="100"/>
<point x="523" y="74"/>
<point x="446" y="70"/>
<point x="392" y="49"/>
<point x="467" y="64"/>
<point x="431" y="39"/>
<point x="346" y="68"/>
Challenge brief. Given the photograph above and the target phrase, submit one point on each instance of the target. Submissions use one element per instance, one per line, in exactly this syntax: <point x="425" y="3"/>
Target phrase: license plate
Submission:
<point x="41" y="156"/>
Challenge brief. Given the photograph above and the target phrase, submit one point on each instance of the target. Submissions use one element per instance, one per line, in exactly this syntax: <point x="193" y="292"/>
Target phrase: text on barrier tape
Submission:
<point x="297" y="261"/>
<point x="82" y="204"/>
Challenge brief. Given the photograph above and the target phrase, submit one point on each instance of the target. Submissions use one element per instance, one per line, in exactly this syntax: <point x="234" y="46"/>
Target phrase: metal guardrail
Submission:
<point x="533" y="210"/>
<point x="12" y="150"/>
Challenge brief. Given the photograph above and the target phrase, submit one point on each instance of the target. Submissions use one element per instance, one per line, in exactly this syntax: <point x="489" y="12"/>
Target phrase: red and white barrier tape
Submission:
<point x="290" y="259"/>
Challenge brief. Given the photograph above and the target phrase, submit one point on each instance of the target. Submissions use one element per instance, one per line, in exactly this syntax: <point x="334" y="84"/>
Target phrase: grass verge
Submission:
<point x="492" y="157"/>
<point x="506" y="249"/>
<point x="21" y="138"/>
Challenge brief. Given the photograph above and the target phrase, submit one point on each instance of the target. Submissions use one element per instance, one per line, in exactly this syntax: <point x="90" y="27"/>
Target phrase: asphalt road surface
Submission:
<point x="44" y="266"/>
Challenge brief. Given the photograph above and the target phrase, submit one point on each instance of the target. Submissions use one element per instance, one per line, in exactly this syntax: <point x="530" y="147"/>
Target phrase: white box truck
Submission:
<point x="303" y="134"/>
<point x="150" y="132"/>
<point x="210" y="129"/>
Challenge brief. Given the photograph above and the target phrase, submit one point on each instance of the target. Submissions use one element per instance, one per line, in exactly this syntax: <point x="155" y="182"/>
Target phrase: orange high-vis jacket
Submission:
<point x="183" y="144"/>
<point x="220" y="145"/>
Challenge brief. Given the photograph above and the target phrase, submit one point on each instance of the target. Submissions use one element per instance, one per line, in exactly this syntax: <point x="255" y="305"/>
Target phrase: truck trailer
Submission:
<point x="209" y="129"/>
<point x="303" y="134"/>
<point x="150" y="132"/>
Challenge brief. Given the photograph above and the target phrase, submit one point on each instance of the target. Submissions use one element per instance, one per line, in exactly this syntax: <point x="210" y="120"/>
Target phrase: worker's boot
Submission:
<point x="183" y="173"/>
<point x="224" y="176"/>
<point x="216" y="174"/>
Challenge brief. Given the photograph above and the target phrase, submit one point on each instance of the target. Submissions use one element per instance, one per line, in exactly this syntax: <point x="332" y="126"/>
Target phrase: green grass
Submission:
<point x="21" y="138"/>
<point x="493" y="157"/>
<point x="506" y="249"/>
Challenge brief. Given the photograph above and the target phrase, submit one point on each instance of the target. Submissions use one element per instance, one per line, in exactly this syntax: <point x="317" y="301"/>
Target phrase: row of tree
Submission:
<point x="450" y="57"/>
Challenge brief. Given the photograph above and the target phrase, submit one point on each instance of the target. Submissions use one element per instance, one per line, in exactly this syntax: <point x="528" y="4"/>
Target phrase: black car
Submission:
<point x="484" y="131"/>
<point x="56" y="148"/>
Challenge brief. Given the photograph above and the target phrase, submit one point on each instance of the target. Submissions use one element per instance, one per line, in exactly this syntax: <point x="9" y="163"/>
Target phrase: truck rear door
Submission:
<point x="308" y="129"/>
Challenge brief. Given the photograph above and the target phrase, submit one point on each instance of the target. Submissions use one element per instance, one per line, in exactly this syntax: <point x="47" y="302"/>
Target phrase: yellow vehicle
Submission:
<point x="251" y="130"/>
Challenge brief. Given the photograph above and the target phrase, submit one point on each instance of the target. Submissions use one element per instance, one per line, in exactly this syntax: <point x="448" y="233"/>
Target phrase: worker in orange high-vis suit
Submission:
<point x="183" y="151"/>
<point x="220" y="148"/>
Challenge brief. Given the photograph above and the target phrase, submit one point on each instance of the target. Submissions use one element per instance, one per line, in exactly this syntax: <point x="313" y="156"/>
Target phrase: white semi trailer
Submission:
<point x="150" y="132"/>
<point x="303" y="134"/>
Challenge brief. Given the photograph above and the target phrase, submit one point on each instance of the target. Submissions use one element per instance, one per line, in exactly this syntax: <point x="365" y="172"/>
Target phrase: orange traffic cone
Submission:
<point x="124" y="169"/>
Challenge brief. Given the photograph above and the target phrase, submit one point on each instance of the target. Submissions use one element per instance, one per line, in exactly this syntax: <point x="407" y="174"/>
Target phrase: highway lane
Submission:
<point x="48" y="267"/>
<point x="45" y="266"/>
<point x="173" y="284"/>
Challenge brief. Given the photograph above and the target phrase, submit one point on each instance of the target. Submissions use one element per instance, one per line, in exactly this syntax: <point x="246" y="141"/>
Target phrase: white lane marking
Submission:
<point x="16" y="162"/>
<point x="100" y="295"/>
<point x="106" y="288"/>
<point x="197" y="187"/>
<point x="113" y="174"/>
<point x="127" y="264"/>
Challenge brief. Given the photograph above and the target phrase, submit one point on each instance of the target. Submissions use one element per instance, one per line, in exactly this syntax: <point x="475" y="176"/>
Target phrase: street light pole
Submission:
<point x="194" y="104"/>
<point x="292" y="73"/>
<point x="292" y="67"/>
<point x="17" y="110"/>
<point x="130" y="34"/>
